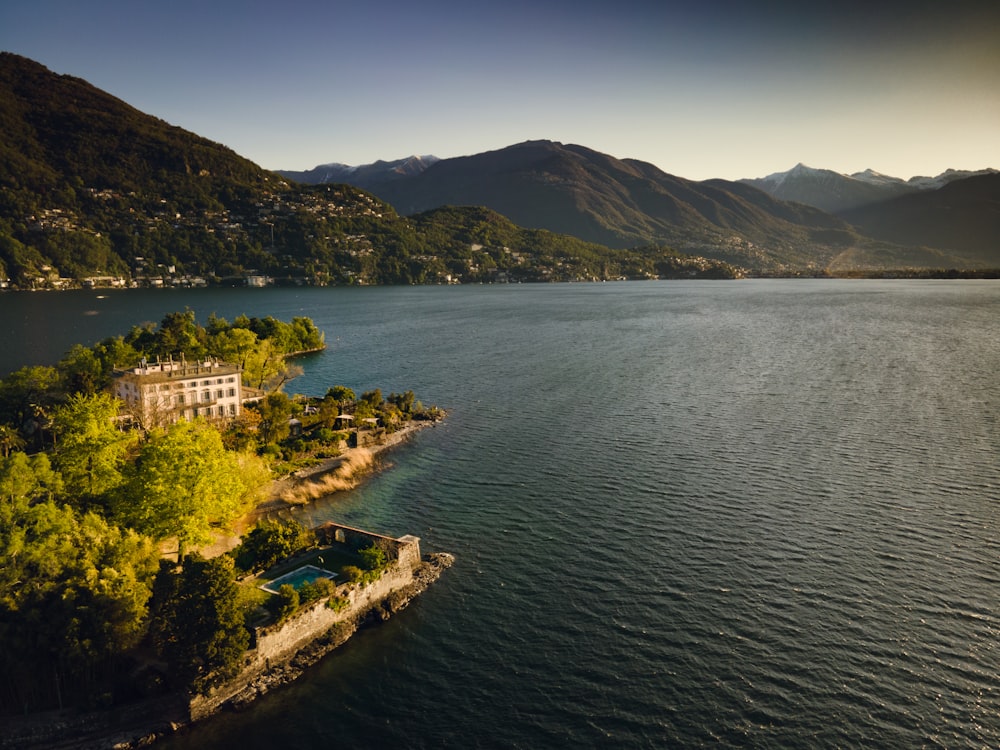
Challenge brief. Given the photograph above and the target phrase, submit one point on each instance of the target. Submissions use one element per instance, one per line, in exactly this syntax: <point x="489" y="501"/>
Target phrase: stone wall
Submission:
<point x="274" y="645"/>
<point x="279" y="656"/>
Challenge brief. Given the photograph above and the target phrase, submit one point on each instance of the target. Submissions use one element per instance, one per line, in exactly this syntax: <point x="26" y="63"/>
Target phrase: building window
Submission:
<point x="206" y="396"/>
<point x="218" y="394"/>
<point x="232" y="393"/>
<point x="180" y="398"/>
<point x="232" y="410"/>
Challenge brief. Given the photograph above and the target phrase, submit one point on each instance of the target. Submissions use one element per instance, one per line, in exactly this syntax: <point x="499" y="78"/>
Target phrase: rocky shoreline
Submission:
<point x="429" y="571"/>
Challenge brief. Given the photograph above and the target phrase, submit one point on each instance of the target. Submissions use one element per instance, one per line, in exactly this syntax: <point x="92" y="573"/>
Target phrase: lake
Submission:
<point x="721" y="514"/>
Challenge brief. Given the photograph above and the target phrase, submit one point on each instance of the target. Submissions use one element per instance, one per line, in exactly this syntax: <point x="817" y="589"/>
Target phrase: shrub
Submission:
<point x="268" y="542"/>
<point x="373" y="558"/>
<point x="352" y="573"/>
<point x="285" y="602"/>
<point x="310" y="592"/>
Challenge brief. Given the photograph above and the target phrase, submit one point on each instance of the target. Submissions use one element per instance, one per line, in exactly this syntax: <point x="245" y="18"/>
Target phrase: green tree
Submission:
<point x="275" y="411"/>
<point x="27" y="397"/>
<point x="82" y="371"/>
<point x="116" y="352"/>
<point x="268" y="542"/>
<point x="184" y="482"/>
<point x="197" y="621"/>
<point x="285" y="602"/>
<point x="235" y="345"/>
<point x="266" y="368"/>
<point x="10" y="440"/>
<point x="373" y="558"/>
<point x="25" y="478"/>
<point x="341" y="394"/>
<point x="91" y="451"/>
<point x="179" y="333"/>
<point x="73" y="593"/>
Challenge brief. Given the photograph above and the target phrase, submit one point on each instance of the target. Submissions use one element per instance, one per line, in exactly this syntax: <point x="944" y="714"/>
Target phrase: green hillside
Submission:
<point x="94" y="191"/>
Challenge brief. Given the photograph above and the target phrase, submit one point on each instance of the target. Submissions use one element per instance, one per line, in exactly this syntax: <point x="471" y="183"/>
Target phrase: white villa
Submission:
<point x="166" y="392"/>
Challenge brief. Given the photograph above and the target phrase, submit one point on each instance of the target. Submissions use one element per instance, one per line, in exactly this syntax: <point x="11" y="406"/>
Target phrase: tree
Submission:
<point x="373" y="558"/>
<point x="197" y="623"/>
<point x="235" y="345"/>
<point x="24" y="478"/>
<point x="402" y="401"/>
<point x="275" y="411"/>
<point x="26" y="398"/>
<point x="73" y="593"/>
<point x="10" y="440"/>
<point x="341" y="394"/>
<point x="268" y="542"/>
<point x="266" y="367"/>
<point x="184" y="481"/>
<point x="116" y="352"/>
<point x="91" y="451"/>
<point x="179" y="333"/>
<point x="285" y="602"/>
<point x="82" y="371"/>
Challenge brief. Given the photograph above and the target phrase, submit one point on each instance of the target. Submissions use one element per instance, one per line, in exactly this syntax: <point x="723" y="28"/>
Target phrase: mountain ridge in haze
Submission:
<point x="835" y="192"/>
<point x="622" y="203"/>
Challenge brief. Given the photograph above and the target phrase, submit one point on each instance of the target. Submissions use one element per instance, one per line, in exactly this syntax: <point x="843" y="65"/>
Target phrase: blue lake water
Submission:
<point x="700" y="514"/>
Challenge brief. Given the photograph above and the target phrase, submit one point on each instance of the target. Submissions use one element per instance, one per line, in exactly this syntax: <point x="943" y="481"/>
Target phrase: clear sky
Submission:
<point x="718" y="88"/>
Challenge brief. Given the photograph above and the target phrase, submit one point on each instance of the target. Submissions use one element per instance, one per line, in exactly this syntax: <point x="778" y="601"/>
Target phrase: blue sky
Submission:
<point x="700" y="89"/>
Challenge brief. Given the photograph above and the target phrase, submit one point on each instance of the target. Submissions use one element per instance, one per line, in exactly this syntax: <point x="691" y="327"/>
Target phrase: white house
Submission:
<point x="166" y="392"/>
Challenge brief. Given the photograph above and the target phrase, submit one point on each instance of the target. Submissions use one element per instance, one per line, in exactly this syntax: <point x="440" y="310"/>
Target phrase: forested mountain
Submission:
<point x="626" y="203"/>
<point x="91" y="187"/>
<point x="94" y="191"/>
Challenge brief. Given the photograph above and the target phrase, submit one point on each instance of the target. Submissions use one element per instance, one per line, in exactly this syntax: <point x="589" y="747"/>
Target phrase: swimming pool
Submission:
<point x="299" y="576"/>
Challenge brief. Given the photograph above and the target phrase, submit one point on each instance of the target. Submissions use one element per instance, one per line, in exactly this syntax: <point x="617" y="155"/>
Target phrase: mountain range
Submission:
<point x="836" y="193"/>
<point x="93" y="191"/>
<point x="91" y="187"/>
<point x="791" y="220"/>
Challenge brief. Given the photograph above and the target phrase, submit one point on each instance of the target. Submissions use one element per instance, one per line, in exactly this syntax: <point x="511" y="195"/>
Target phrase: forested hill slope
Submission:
<point x="91" y="187"/>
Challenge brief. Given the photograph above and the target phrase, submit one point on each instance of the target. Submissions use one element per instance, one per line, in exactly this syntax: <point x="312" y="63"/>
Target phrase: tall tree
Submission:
<point x="73" y="592"/>
<point x="184" y="481"/>
<point x="91" y="451"/>
<point x="197" y="622"/>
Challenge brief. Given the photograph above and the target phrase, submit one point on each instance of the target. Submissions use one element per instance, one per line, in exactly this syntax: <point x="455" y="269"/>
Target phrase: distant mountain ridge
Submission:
<point x="626" y="203"/>
<point x="366" y="176"/>
<point x="963" y="215"/>
<point x="94" y="191"/>
<point x="835" y="192"/>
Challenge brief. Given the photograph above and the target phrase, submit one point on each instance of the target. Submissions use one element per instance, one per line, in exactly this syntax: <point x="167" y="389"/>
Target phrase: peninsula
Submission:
<point x="140" y="532"/>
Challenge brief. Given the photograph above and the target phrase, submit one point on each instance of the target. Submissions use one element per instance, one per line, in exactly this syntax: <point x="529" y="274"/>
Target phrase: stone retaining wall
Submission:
<point x="274" y="645"/>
